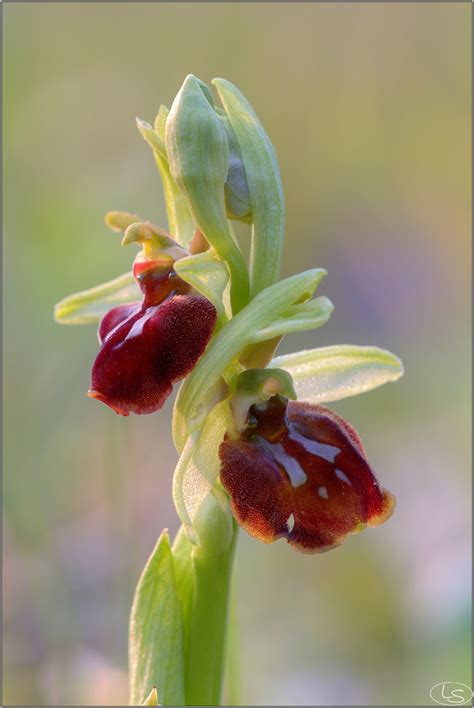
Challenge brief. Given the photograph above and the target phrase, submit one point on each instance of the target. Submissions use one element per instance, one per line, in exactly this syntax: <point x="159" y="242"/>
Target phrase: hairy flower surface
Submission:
<point x="299" y="471"/>
<point x="146" y="347"/>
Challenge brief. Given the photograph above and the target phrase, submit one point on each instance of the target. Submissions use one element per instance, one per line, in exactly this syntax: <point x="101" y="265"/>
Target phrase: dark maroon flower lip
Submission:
<point x="299" y="472"/>
<point x="147" y="347"/>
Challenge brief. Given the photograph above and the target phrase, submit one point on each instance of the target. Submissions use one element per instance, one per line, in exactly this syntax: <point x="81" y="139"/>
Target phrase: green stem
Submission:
<point x="208" y="619"/>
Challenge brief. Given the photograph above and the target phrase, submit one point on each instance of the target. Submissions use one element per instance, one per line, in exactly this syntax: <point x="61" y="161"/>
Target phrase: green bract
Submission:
<point x="217" y="164"/>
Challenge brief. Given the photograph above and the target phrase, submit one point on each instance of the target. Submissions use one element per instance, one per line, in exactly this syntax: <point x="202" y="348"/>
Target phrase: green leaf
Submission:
<point x="184" y="572"/>
<point x="208" y="275"/>
<point x="264" y="185"/>
<point x="89" y="306"/>
<point x="156" y="648"/>
<point x="191" y="404"/>
<point x="331" y="373"/>
<point x="301" y="317"/>
<point x="198" y="153"/>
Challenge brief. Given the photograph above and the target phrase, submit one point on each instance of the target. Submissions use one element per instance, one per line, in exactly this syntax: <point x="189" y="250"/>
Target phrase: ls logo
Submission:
<point x="451" y="693"/>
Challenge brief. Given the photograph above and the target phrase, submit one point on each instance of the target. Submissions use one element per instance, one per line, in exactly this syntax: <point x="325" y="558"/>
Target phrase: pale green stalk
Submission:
<point x="207" y="620"/>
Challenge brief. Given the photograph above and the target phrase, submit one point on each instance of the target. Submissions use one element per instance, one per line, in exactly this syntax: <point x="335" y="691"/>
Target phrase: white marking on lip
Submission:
<point x="292" y="467"/>
<point x="327" y="452"/>
<point x="323" y="493"/>
<point x="290" y="523"/>
<point x="290" y="464"/>
<point x="344" y="477"/>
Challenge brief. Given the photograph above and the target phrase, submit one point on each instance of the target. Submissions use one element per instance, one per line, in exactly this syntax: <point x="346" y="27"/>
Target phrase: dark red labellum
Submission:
<point x="146" y="347"/>
<point x="299" y="471"/>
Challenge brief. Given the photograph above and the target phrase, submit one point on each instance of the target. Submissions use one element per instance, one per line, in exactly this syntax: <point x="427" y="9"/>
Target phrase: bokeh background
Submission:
<point x="369" y="109"/>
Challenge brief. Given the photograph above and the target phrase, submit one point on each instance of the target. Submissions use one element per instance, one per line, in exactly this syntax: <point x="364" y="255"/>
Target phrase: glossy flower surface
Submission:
<point x="146" y="347"/>
<point x="299" y="471"/>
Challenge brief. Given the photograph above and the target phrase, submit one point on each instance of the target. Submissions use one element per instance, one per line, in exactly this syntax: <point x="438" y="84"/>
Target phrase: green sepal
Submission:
<point x="300" y="317"/>
<point x="198" y="152"/>
<point x="156" y="646"/>
<point x="264" y="185"/>
<point x="191" y="403"/>
<point x="332" y="373"/>
<point x="89" y="306"/>
<point x="207" y="274"/>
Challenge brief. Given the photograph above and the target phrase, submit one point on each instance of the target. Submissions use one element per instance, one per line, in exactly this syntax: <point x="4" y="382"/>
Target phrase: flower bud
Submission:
<point x="198" y="152"/>
<point x="299" y="471"/>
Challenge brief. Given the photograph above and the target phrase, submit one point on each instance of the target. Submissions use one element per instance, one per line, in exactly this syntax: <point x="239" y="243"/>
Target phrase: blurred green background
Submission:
<point x="369" y="109"/>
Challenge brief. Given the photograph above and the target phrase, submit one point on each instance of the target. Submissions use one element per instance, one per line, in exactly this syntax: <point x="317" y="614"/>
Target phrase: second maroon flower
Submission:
<point x="299" y="471"/>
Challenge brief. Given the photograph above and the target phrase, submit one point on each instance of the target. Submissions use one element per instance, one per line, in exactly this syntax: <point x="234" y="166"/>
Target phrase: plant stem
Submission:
<point x="207" y="621"/>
